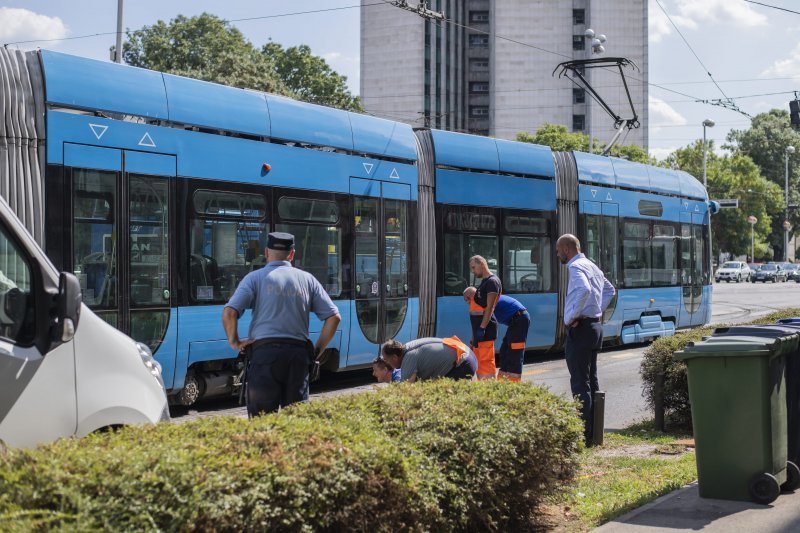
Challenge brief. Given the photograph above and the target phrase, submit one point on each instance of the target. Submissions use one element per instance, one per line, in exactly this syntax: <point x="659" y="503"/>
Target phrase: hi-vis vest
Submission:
<point x="455" y="343"/>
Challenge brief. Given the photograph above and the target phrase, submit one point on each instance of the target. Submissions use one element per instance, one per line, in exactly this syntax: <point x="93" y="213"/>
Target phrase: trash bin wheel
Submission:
<point x="764" y="488"/>
<point x="792" y="477"/>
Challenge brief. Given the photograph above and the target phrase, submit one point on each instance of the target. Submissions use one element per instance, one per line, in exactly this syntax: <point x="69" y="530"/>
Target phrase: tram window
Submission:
<point x="309" y="210"/>
<point x="458" y="248"/>
<point x="610" y="249"/>
<point x="700" y="264"/>
<point x="318" y="251"/>
<point x="665" y="256"/>
<point x="149" y="240"/>
<point x="227" y="240"/>
<point x="636" y="255"/>
<point x="592" y="238"/>
<point x="229" y="204"/>
<point x="686" y="254"/>
<point x="94" y="238"/>
<point x="17" y="322"/>
<point x="650" y="208"/>
<point x="527" y="263"/>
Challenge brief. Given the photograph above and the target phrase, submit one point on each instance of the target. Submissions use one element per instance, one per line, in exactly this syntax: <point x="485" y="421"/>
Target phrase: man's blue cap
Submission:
<point x="280" y="241"/>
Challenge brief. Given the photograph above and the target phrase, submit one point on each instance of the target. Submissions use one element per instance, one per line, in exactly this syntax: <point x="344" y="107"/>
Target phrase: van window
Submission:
<point x="17" y="318"/>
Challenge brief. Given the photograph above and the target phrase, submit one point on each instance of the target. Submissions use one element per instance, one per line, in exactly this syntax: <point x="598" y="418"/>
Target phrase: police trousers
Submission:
<point x="583" y="344"/>
<point x="277" y="376"/>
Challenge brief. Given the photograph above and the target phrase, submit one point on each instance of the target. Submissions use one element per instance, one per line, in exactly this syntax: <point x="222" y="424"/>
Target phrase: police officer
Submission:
<point x="588" y="295"/>
<point x="481" y="315"/>
<point x="281" y="353"/>
<point x="512" y="314"/>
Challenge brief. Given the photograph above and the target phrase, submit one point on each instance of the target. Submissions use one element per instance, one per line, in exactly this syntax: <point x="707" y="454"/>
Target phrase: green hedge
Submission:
<point x="428" y="456"/>
<point x="658" y="359"/>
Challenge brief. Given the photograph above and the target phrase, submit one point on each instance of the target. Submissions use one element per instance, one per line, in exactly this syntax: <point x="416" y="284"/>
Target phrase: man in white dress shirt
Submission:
<point x="588" y="294"/>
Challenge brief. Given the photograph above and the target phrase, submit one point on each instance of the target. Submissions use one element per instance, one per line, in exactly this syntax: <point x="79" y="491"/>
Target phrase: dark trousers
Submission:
<point x="512" y="350"/>
<point x="277" y="377"/>
<point x="583" y="343"/>
<point x="462" y="371"/>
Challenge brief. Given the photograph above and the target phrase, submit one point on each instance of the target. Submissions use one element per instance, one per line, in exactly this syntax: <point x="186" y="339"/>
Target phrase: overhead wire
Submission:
<point x="227" y="21"/>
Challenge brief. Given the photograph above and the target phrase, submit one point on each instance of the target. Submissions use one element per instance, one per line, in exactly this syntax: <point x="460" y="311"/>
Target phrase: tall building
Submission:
<point x="489" y="68"/>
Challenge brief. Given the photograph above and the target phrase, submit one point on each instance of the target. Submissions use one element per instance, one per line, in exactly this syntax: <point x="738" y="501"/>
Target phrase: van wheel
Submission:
<point x="190" y="392"/>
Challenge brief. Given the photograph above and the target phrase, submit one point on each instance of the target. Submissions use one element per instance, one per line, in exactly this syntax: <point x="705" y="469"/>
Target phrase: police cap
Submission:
<point x="280" y="241"/>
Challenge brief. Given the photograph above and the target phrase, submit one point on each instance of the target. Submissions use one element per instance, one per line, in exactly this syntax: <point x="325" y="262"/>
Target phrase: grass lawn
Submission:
<point x="633" y="467"/>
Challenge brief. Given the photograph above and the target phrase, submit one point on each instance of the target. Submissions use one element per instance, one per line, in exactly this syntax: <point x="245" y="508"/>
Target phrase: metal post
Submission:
<point x="752" y="244"/>
<point x="588" y="97"/>
<point x="786" y="209"/>
<point x="705" y="181"/>
<point x="599" y="417"/>
<point x="658" y="401"/>
<point x="118" y="49"/>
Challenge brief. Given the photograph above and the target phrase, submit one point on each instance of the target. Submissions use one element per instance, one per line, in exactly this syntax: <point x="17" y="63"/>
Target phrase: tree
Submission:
<point x="734" y="176"/>
<point x="309" y="77"/>
<point x="559" y="139"/>
<point x="765" y="143"/>
<point x="207" y="48"/>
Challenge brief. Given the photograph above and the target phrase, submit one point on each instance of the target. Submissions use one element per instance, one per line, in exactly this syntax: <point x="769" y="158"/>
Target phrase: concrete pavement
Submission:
<point x="685" y="510"/>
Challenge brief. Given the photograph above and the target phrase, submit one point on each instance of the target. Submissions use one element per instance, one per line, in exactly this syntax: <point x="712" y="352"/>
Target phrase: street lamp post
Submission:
<point x="707" y="123"/>
<point x="752" y="221"/>
<point x="786" y="223"/>
<point x="594" y="45"/>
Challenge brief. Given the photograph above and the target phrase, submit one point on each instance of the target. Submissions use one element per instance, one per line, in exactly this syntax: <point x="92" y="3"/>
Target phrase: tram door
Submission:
<point x="380" y="222"/>
<point x="601" y="243"/>
<point x="121" y="228"/>
<point x="691" y="270"/>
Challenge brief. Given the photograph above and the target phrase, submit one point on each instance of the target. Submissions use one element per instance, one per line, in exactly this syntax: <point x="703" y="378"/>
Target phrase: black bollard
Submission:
<point x="599" y="416"/>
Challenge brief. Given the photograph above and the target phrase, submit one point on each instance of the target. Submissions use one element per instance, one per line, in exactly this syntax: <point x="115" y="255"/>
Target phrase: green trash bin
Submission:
<point x="737" y="391"/>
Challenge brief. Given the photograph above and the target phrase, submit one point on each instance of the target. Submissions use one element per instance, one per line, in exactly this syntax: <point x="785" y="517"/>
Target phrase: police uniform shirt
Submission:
<point x="281" y="298"/>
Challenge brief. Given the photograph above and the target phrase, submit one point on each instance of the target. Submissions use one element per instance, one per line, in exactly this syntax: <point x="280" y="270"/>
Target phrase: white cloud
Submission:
<point x="661" y="153"/>
<point x="784" y="68"/>
<point x="694" y="14"/>
<point x="657" y="25"/>
<point x="346" y="66"/>
<point x="735" y="12"/>
<point x="18" y="24"/>
<point x="663" y="114"/>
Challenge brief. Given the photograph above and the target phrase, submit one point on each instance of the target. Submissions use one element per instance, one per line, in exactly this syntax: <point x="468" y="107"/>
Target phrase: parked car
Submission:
<point x="733" y="271"/>
<point x="793" y="272"/>
<point x="770" y="272"/>
<point x="754" y="268"/>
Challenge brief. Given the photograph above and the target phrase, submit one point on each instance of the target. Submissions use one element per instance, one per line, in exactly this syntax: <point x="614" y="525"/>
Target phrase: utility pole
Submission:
<point x="118" y="49"/>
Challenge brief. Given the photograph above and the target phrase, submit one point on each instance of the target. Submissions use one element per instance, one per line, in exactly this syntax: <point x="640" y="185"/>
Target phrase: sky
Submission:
<point x="751" y="51"/>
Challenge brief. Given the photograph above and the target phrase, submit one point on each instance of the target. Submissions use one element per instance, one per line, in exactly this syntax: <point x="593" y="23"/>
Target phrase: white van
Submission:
<point x="58" y="380"/>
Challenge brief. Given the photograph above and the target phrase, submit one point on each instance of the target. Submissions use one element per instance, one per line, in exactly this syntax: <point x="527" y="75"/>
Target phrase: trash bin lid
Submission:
<point x="790" y="333"/>
<point x="734" y="346"/>
<point x="794" y="320"/>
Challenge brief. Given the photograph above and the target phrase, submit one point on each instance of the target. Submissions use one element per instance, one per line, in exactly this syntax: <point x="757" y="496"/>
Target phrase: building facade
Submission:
<point x="488" y="69"/>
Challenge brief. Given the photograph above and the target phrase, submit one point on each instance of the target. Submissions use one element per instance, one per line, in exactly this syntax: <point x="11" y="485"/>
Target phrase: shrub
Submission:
<point x="429" y="456"/>
<point x="658" y="359"/>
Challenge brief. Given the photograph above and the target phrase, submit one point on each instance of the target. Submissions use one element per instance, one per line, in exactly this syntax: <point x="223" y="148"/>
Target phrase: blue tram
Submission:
<point x="158" y="191"/>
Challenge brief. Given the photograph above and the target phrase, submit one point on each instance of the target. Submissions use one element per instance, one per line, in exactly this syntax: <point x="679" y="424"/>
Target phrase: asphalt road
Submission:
<point x="618" y="368"/>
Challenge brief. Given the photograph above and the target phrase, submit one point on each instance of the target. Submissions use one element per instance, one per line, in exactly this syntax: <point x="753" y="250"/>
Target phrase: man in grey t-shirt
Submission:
<point x="430" y="358"/>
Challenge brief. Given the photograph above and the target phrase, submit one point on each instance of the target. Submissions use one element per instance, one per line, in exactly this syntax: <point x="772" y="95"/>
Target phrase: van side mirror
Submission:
<point x="68" y="307"/>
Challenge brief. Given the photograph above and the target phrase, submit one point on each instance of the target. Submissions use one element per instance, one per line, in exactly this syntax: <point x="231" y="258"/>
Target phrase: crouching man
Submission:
<point x="431" y="358"/>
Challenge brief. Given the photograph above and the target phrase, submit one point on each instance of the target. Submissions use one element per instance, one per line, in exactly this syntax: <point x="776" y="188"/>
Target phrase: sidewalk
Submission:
<point x="685" y="510"/>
